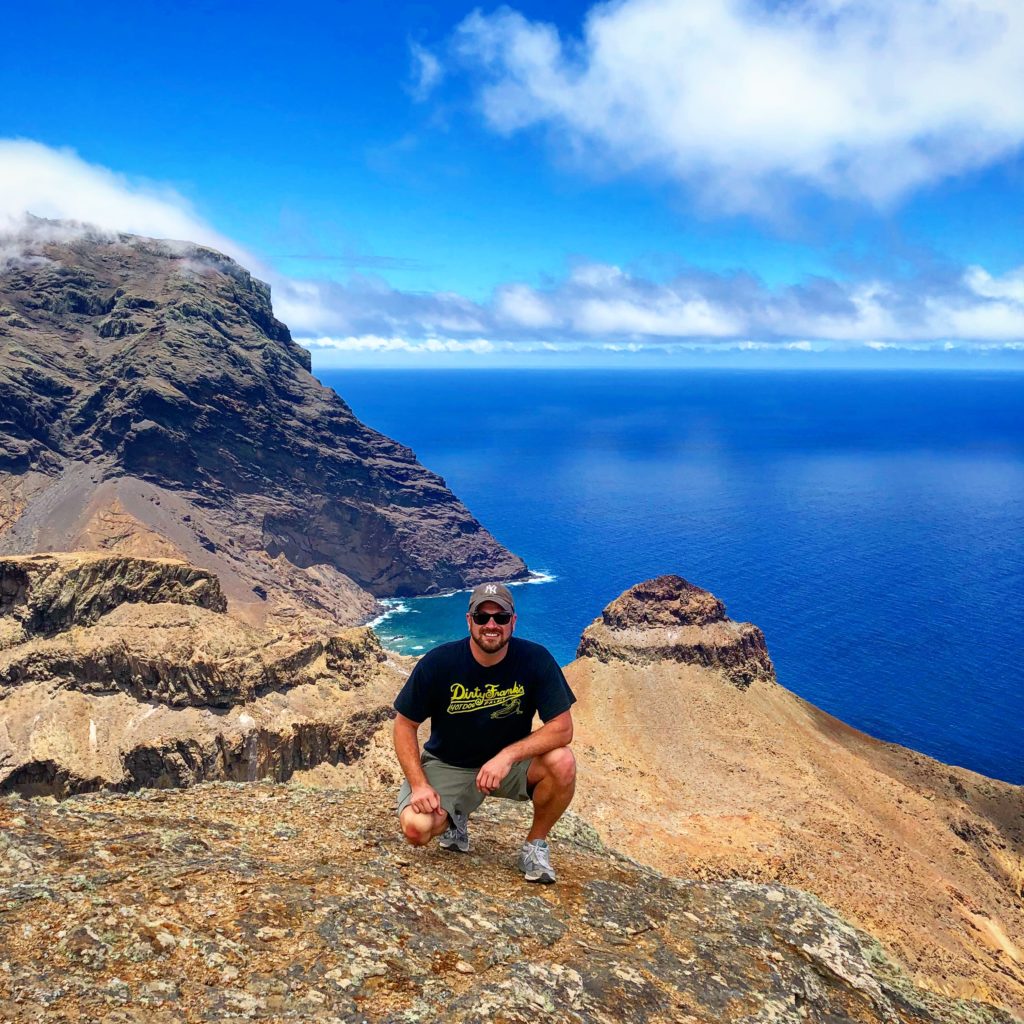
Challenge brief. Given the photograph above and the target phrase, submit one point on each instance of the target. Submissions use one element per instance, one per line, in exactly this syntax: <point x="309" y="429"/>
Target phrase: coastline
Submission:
<point x="395" y="606"/>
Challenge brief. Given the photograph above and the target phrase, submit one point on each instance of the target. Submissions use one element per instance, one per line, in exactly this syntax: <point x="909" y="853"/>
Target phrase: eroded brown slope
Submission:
<point x="694" y="759"/>
<point x="122" y="672"/>
<point x="151" y="404"/>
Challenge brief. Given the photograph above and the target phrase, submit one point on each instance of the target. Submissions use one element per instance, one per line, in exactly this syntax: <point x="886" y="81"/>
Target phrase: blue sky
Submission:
<point x="649" y="182"/>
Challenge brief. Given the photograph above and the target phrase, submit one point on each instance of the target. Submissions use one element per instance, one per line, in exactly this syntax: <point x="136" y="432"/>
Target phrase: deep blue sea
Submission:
<point x="870" y="523"/>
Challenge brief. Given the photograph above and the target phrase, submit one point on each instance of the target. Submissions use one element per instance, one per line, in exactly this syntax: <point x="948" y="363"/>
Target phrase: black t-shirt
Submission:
<point x="474" y="710"/>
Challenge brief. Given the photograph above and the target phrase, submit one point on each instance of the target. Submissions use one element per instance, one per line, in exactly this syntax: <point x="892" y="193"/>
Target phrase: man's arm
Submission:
<point x="407" y="746"/>
<point x="556" y="732"/>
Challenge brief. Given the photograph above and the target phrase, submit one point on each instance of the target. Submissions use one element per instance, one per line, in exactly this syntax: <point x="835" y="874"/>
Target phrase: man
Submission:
<point x="480" y="694"/>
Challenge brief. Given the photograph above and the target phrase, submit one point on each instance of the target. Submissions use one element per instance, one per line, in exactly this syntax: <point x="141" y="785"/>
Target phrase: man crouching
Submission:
<point x="480" y="694"/>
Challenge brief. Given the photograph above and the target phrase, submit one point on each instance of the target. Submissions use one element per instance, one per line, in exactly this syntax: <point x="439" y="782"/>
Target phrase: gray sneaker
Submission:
<point x="535" y="862"/>
<point x="456" y="836"/>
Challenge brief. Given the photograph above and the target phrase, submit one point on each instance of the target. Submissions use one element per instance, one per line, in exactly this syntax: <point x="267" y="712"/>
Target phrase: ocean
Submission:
<point x="870" y="523"/>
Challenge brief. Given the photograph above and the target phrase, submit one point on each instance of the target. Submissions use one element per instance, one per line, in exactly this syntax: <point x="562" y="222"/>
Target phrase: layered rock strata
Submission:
<point x="669" y="619"/>
<point x="46" y="594"/>
<point x="151" y="404"/>
<point x="279" y="903"/>
<point x="123" y="672"/>
<point x="695" y="760"/>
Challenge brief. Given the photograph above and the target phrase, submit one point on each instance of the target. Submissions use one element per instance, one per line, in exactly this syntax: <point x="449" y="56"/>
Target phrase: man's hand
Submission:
<point x="424" y="799"/>
<point x="491" y="776"/>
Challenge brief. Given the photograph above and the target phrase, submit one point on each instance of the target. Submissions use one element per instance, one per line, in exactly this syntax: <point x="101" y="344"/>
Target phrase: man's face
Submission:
<point x="490" y="637"/>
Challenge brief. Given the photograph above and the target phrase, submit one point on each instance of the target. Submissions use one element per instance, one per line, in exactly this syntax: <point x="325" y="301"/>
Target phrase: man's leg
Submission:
<point x="457" y="789"/>
<point x="419" y="828"/>
<point x="553" y="778"/>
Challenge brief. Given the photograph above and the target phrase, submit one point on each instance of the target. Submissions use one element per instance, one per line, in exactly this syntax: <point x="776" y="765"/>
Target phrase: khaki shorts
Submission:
<point x="457" y="786"/>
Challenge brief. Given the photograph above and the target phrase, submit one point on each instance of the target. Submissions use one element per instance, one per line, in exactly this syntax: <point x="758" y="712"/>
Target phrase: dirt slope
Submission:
<point x="704" y="766"/>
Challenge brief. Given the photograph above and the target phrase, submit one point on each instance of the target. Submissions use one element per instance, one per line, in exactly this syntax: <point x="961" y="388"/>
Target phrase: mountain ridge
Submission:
<point x="151" y="403"/>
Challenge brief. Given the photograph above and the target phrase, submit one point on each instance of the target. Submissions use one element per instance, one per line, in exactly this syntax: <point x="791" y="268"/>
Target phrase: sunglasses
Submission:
<point x="482" y="618"/>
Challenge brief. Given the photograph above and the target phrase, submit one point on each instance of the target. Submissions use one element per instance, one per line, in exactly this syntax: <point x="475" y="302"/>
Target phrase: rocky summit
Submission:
<point x="669" y="619"/>
<point x="151" y="404"/>
<point x="118" y="673"/>
<point x="171" y="885"/>
<point x="232" y="903"/>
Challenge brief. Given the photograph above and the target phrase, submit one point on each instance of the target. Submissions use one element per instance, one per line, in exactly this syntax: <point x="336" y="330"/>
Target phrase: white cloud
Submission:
<point x="523" y="307"/>
<point x="596" y="275"/>
<point x="988" y="321"/>
<point x="426" y="72"/>
<point x="594" y="307"/>
<point x="305" y="306"/>
<point x="375" y="343"/>
<point x="59" y="185"/>
<point x="666" y="315"/>
<point x="601" y="299"/>
<point x="1009" y="286"/>
<point x="864" y="98"/>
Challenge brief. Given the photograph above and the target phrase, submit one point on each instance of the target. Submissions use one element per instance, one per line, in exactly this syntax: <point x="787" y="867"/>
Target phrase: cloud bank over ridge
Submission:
<point x="57" y="184"/>
<point x="594" y="306"/>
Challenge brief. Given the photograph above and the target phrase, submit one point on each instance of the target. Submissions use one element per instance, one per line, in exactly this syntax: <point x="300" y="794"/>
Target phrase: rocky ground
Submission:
<point x="151" y="404"/>
<point x="233" y="902"/>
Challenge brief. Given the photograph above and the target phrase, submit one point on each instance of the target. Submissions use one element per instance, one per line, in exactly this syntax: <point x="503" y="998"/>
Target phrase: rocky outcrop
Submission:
<point x="281" y="903"/>
<point x="668" y="619"/>
<point x="46" y="594"/>
<point x="151" y="404"/>
<point x="123" y="672"/>
<point x="695" y="760"/>
<point x="164" y="654"/>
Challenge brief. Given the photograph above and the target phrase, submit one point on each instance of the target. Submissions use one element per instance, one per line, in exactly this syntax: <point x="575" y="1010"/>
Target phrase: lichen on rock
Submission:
<point x="281" y="903"/>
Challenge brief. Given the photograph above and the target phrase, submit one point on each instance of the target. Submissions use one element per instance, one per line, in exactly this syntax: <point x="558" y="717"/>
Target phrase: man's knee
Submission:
<point x="418" y="828"/>
<point x="560" y="765"/>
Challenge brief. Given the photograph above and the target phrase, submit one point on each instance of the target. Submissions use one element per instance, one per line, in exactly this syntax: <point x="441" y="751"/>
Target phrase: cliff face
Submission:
<point x="123" y="672"/>
<point x="695" y="760"/>
<point x="279" y="903"/>
<point x="151" y="404"/>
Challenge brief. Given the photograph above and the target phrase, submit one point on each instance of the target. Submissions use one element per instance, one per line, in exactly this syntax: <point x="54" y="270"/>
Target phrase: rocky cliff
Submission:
<point x="279" y="903"/>
<point x="695" y="760"/>
<point x="669" y="619"/>
<point x="123" y="672"/>
<point x="151" y="404"/>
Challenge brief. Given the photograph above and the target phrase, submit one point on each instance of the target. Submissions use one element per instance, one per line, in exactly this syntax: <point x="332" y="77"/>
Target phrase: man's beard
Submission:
<point x="491" y="645"/>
